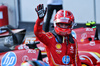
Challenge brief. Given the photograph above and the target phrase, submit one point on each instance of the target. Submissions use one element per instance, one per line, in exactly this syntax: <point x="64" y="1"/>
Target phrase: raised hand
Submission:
<point x="40" y="11"/>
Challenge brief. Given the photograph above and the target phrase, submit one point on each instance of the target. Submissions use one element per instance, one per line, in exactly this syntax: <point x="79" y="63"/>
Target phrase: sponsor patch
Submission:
<point x="82" y="40"/>
<point x="58" y="51"/>
<point x="92" y="43"/>
<point x="66" y="59"/>
<point x="58" y="46"/>
<point x="25" y="57"/>
<point x="23" y="47"/>
<point x="32" y="51"/>
<point x="84" y="36"/>
<point x="49" y="35"/>
<point x="72" y="49"/>
<point x="89" y="29"/>
<point x="29" y="40"/>
<point x="9" y="59"/>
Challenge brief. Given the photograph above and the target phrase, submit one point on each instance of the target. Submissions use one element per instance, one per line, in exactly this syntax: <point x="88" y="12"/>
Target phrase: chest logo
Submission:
<point x="66" y="59"/>
<point x="72" y="49"/>
<point x="58" y="46"/>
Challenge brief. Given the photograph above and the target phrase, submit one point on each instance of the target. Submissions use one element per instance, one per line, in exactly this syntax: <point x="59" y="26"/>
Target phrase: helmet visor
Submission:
<point x="63" y="25"/>
<point x="63" y="21"/>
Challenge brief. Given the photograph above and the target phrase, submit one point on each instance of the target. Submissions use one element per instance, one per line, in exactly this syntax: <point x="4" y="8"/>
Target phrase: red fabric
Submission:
<point x="86" y="62"/>
<point x="56" y="52"/>
<point x="98" y="63"/>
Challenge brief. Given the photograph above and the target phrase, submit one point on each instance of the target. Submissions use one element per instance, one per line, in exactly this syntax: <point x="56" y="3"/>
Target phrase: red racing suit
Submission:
<point x="59" y="54"/>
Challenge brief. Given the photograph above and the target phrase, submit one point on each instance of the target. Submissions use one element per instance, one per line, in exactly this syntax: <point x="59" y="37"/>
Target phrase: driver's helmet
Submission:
<point x="63" y="22"/>
<point x="34" y="63"/>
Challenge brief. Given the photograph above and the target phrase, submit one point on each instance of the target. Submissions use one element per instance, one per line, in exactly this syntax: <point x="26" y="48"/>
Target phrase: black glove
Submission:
<point x="40" y="11"/>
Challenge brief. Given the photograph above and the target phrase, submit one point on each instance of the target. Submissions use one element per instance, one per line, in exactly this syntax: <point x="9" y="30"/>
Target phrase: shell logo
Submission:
<point x="58" y="46"/>
<point x="82" y="40"/>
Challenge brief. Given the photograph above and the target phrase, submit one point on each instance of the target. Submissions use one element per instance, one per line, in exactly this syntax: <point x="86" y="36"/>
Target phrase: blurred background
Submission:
<point x="21" y="13"/>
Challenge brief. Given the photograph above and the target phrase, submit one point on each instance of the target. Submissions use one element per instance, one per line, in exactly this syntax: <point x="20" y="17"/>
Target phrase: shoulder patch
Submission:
<point x="49" y="35"/>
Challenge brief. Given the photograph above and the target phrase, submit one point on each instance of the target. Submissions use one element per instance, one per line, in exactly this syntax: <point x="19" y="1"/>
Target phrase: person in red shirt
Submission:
<point x="61" y="47"/>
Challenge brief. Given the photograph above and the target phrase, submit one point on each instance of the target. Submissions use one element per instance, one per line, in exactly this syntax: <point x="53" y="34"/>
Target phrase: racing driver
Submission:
<point x="60" y="45"/>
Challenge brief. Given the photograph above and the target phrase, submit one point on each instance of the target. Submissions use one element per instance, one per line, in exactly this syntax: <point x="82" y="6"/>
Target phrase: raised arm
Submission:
<point x="38" y="31"/>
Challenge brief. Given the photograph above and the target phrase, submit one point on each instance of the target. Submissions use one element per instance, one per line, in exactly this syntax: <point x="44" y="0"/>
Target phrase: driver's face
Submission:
<point x="62" y="25"/>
